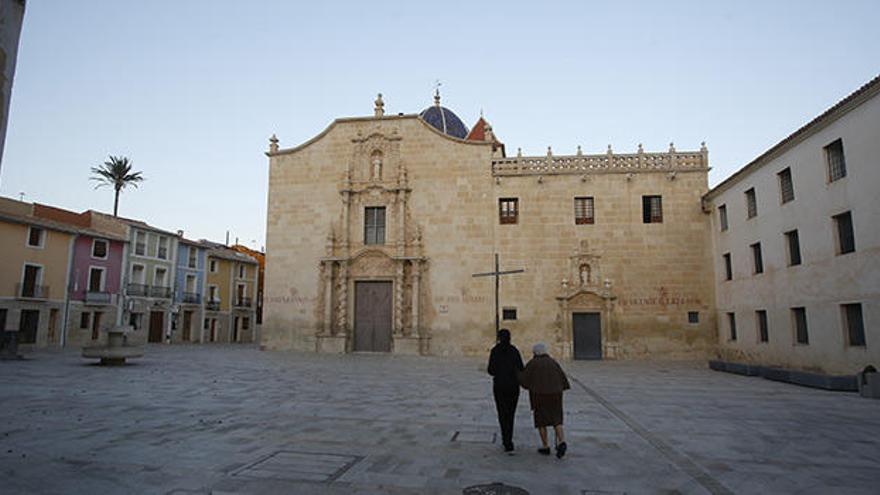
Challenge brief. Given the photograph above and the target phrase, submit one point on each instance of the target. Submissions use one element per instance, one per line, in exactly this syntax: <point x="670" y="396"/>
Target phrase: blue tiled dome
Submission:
<point x="442" y="119"/>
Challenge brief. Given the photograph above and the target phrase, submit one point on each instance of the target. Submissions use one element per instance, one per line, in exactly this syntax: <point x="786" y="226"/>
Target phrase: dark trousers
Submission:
<point x="505" y="403"/>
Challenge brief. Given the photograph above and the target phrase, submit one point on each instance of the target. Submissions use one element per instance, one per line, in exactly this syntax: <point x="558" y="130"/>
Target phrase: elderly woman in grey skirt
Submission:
<point x="545" y="381"/>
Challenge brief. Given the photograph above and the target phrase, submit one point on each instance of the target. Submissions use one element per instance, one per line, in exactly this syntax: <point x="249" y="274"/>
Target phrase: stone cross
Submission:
<point x="497" y="274"/>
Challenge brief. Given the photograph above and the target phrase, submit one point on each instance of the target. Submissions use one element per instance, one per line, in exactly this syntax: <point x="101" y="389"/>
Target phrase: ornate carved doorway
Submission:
<point x="372" y="320"/>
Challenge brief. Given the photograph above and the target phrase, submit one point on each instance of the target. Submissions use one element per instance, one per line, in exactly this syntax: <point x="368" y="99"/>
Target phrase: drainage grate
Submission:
<point x="473" y="437"/>
<point x="292" y="465"/>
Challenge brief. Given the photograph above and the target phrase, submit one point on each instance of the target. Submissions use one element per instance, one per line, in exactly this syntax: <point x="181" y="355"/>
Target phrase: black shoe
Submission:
<point x="508" y="447"/>
<point x="560" y="450"/>
<point x="544" y="451"/>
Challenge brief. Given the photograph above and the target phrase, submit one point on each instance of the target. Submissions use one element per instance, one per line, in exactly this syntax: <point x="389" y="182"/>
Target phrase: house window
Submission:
<point x="140" y="243"/>
<point x="846" y="241"/>
<point x="374" y="225"/>
<point x="751" y="204"/>
<point x="241" y="271"/>
<point x="794" y="248"/>
<point x="722" y="217"/>
<point x="159" y="279"/>
<point x="191" y="284"/>
<point x="728" y="267"/>
<point x="138" y="274"/>
<point x="191" y="261"/>
<point x="761" y="323"/>
<point x="799" y="316"/>
<point x="85" y="320"/>
<point x="162" y="249"/>
<point x="30" y="284"/>
<point x="731" y="325"/>
<point x="786" y="188"/>
<point x="508" y="314"/>
<point x="757" y="258"/>
<point x="212" y="294"/>
<point x="96" y="280"/>
<point x="652" y="209"/>
<point x="213" y="266"/>
<point x="36" y="237"/>
<point x="855" y="325"/>
<point x="207" y="323"/>
<point x="835" y="160"/>
<point x="245" y="323"/>
<point x="99" y="249"/>
<point x="583" y="210"/>
<point x="508" y="210"/>
<point x="693" y="317"/>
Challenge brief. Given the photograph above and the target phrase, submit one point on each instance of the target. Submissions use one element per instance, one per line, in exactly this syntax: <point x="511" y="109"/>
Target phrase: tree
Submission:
<point x="116" y="172"/>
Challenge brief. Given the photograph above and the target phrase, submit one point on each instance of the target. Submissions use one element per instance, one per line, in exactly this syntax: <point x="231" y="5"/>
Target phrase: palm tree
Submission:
<point x="117" y="173"/>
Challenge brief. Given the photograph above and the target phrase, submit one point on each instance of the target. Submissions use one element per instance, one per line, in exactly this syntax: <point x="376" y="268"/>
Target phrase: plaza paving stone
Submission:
<point x="233" y="419"/>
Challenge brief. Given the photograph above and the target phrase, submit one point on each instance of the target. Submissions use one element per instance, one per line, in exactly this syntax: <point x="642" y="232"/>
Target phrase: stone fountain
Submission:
<point x="117" y="350"/>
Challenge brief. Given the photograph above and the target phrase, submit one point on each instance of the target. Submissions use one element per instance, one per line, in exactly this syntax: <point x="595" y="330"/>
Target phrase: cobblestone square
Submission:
<point x="233" y="419"/>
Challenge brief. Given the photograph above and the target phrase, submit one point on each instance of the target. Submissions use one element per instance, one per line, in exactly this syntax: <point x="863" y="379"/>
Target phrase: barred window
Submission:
<point x="751" y="203"/>
<point x="761" y="321"/>
<point x="800" y="325"/>
<point x="652" y="209"/>
<point x="374" y="225"/>
<point x="794" y="248"/>
<point x="855" y="325"/>
<point x="786" y="188"/>
<point x="757" y="258"/>
<point x="583" y="210"/>
<point x="508" y="210"/>
<point x="722" y="217"/>
<point x="846" y="240"/>
<point x="836" y="162"/>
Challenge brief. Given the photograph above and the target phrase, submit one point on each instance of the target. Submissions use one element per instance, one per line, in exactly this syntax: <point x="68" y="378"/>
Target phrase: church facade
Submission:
<point x="377" y="225"/>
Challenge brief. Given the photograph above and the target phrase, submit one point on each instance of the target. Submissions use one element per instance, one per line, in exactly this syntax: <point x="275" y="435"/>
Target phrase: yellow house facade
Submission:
<point x="230" y="310"/>
<point x="34" y="274"/>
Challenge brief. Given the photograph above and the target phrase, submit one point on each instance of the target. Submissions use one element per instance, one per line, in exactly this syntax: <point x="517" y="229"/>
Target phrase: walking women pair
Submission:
<point x="542" y="377"/>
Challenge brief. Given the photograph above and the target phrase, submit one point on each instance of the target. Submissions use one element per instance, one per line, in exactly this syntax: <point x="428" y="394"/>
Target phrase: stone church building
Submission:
<point x="377" y="225"/>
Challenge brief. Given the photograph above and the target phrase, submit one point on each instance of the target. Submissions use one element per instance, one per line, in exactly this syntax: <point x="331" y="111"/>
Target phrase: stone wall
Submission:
<point x="441" y="198"/>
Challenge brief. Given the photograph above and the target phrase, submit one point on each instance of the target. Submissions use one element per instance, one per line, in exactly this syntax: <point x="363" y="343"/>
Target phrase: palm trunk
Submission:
<point x="116" y="202"/>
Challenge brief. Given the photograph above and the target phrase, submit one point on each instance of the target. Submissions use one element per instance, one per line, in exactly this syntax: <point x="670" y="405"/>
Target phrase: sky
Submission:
<point x="191" y="91"/>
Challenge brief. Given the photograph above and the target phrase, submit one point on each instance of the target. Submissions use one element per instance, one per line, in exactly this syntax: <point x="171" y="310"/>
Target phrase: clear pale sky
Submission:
<point x="192" y="90"/>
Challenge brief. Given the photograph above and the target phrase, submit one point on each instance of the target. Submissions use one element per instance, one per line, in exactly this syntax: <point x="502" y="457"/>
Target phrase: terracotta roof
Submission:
<point x="226" y="253"/>
<point x="478" y="131"/>
<point x="57" y="226"/>
<point x="856" y="98"/>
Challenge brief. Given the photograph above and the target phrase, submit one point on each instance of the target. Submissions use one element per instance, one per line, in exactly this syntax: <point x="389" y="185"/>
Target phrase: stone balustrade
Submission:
<point x="602" y="163"/>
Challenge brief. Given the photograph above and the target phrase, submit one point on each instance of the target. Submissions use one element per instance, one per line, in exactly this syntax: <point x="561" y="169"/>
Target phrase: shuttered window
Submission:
<point x="374" y="225"/>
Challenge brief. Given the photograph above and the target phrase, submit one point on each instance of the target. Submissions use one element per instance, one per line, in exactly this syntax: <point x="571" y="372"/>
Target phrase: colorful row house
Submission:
<point x="230" y="306"/>
<point x="67" y="277"/>
<point x="34" y="274"/>
<point x="189" y="292"/>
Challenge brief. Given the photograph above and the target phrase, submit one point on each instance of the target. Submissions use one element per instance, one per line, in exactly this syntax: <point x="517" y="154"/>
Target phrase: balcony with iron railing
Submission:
<point x="32" y="291"/>
<point x="191" y="298"/>
<point x="98" y="297"/>
<point x="212" y="305"/>
<point x="243" y="302"/>
<point x="143" y="290"/>
<point x="160" y="292"/>
<point x="138" y="289"/>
